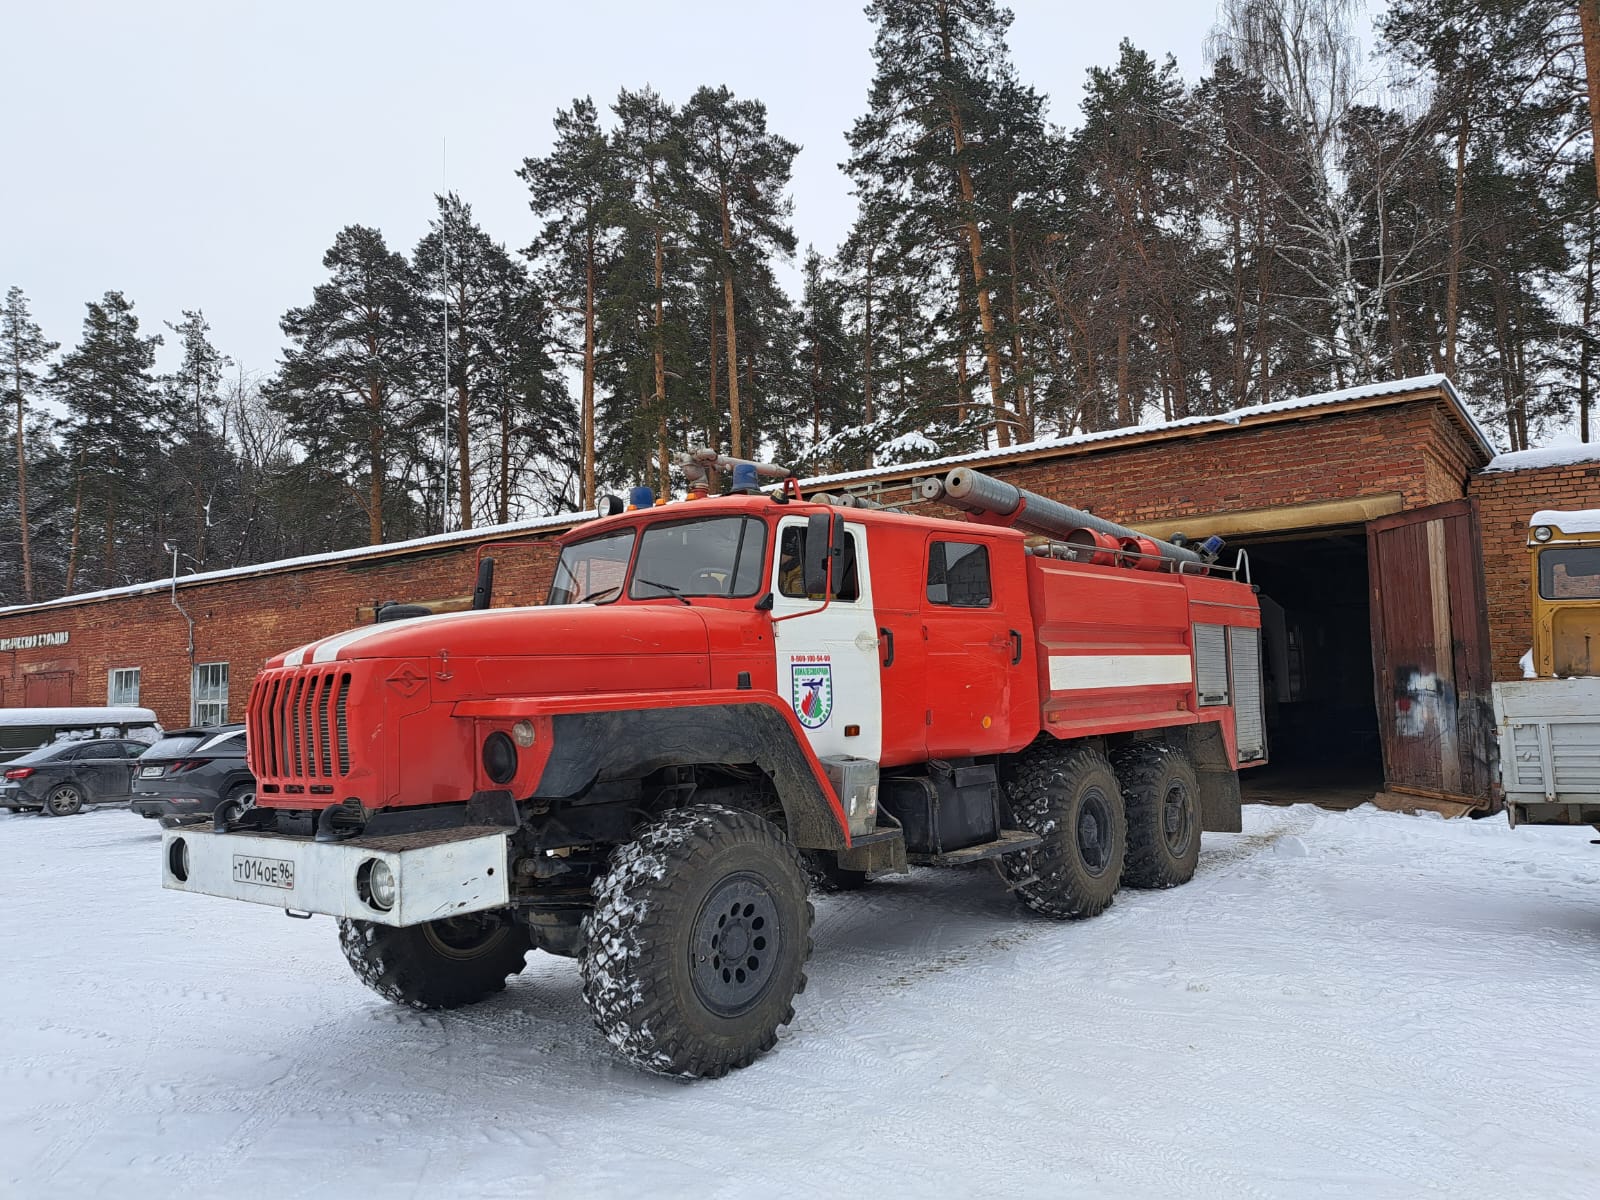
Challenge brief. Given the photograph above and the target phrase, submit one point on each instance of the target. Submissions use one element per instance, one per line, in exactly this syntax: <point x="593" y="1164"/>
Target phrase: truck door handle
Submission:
<point x="1016" y="647"/>
<point x="888" y="647"/>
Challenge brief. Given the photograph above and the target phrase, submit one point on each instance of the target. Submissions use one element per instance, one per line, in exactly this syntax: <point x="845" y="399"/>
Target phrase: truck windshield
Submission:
<point x="593" y="569"/>
<point x="1570" y="573"/>
<point x="719" y="556"/>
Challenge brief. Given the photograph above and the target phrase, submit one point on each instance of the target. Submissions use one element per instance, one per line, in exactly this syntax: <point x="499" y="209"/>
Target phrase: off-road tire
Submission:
<point x="63" y="800"/>
<point x="1069" y="797"/>
<point x="442" y="964"/>
<point x="1161" y="796"/>
<point x="655" y="940"/>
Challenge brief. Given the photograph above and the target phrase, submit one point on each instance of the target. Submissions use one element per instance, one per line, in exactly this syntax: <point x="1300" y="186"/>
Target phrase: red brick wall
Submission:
<point x="1506" y="499"/>
<point x="1339" y="456"/>
<point x="243" y="622"/>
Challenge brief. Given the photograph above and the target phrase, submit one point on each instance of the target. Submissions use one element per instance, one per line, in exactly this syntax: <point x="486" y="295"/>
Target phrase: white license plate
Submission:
<point x="151" y="772"/>
<point x="269" y="872"/>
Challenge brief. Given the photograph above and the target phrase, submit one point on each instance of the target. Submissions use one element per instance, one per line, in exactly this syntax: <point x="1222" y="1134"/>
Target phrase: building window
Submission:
<point x="122" y="687"/>
<point x="209" y="705"/>
<point x="958" y="575"/>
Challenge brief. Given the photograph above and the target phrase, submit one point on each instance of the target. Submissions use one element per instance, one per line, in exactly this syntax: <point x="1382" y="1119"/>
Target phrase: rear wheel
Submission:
<point x="1069" y="797"/>
<point x="441" y="964"/>
<point x="63" y="800"/>
<point x="233" y="804"/>
<point x="697" y="943"/>
<point x="1162" y="794"/>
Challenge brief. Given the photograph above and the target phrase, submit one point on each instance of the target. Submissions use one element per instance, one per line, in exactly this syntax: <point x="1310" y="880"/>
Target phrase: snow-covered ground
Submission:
<point x="1341" y="1004"/>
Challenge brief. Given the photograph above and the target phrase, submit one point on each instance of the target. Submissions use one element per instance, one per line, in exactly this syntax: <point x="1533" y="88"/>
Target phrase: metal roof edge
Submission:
<point x="1399" y="391"/>
<point x="306" y="562"/>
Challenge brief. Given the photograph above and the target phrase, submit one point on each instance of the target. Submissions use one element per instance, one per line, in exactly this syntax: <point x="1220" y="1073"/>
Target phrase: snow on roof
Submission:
<point x="480" y="533"/>
<point x="1558" y="454"/>
<point x="1583" y="520"/>
<point x="1393" y="387"/>
<point x="76" y="716"/>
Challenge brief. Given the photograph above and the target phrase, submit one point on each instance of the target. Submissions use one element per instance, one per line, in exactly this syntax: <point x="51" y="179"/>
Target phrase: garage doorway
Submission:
<point x="1322" y="722"/>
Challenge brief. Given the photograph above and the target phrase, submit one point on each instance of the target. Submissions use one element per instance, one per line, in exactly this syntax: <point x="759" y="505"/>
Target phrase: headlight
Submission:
<point x="1543" y="533"/>
<point x="499" y="758"/>
<point x="375" y="883"/>
<point x="523" y="732"/>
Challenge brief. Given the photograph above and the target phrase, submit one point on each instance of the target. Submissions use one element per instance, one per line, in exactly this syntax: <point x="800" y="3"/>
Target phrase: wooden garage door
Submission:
<point x="47" y="689"/>
<point x="1430" y="648"/>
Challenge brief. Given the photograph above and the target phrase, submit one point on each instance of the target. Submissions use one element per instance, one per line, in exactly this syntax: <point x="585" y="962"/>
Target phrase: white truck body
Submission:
<point x="1549" y="731"/>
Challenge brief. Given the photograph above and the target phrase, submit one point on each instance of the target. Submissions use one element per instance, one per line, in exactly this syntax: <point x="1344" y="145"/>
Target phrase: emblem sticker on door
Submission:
<point x="812" y="691"/>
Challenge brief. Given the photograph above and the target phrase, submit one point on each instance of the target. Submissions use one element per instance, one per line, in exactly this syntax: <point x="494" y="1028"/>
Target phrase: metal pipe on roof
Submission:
<point x="975" y="492"/>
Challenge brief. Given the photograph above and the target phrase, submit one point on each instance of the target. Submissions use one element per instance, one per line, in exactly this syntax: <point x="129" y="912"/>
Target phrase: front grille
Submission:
<point x="297" y="725"/>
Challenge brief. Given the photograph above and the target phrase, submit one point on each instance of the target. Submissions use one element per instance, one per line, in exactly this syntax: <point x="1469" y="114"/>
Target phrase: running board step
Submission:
<point x="1009" y="842"/>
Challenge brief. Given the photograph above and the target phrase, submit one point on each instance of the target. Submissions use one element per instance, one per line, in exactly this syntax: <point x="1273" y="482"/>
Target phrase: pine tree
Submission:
<point x="25" y="350"/>
<point x="576" y="191"/>
<point x="351" y="384"/>
<point x="197" y="448"/>
<point x="486" y="293"/>
<point x="937" y="65"/>
<point x="827" y="356"/>
<point x="650" y="158"/>
<point x="739" y="171"/>
<point x="106" y="385"/>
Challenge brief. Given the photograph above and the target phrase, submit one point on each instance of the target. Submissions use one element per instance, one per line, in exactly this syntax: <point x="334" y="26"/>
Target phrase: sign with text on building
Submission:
<point x="32" y="641"/>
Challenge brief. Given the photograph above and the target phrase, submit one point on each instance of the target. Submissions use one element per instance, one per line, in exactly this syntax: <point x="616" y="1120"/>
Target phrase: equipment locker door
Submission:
<point x="972" y="648"/>
<point x="1430" y="652"/>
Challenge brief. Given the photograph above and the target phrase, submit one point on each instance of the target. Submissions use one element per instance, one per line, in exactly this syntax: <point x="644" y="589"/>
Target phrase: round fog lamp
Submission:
<point x="522" y="731"/>
<point x="1543" y="533"/>
<point x="379" y="886"/>
<point x="499" y="758"/>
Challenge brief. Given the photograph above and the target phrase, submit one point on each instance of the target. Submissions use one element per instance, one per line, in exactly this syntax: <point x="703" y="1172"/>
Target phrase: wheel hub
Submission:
<point x="1094" y="832"/>
<point x="736" y="944"/>
<point x="463" y="937"/>
<point x="1177" y="824"/>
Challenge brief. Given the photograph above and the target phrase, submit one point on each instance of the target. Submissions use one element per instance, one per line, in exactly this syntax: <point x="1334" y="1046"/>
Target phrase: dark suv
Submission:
<point x="193" y="773"/>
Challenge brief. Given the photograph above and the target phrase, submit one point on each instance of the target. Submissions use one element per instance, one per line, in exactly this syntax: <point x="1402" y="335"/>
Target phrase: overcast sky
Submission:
<point x="203" y="155"/>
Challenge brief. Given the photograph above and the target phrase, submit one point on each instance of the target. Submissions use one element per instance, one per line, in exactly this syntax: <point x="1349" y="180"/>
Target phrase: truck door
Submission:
<point x="1430" y="652"/>
<point x="972" y="649"/>
<point x="828" y="653"/>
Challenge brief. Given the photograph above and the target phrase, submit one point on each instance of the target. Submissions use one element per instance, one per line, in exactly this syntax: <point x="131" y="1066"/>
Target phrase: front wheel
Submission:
<point x="63" y="800"/>
<point x="440" y="964"/>
<point x="1070" y="798"/>
<point x="697" y="943"/>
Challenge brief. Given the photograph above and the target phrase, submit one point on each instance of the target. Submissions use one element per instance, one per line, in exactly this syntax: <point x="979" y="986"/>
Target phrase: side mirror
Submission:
<point x="483" y="592"/>
<point x="819" y="553"/>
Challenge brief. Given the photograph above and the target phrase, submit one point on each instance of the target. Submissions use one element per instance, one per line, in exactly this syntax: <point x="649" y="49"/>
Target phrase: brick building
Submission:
<point x="1386" y="539"/>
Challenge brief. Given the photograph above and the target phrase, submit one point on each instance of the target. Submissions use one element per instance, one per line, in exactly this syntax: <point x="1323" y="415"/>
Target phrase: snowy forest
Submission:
<point x="1302" y="217"/>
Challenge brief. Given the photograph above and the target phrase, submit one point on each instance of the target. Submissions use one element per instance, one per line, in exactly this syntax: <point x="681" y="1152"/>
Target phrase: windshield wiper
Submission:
<point x="665" y="587"/>
<point x="615" y="587"/>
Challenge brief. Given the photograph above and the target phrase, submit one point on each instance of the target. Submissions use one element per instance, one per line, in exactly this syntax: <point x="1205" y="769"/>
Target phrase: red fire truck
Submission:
<point x="723" y="703"/>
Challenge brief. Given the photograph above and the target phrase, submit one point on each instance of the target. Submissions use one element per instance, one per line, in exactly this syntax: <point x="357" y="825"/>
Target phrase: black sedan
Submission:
<point x="66" y="777"/>
<point x="194" y="773"/>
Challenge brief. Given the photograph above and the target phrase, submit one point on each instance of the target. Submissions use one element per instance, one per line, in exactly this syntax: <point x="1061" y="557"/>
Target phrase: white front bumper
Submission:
<point x="438" y="874"/>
